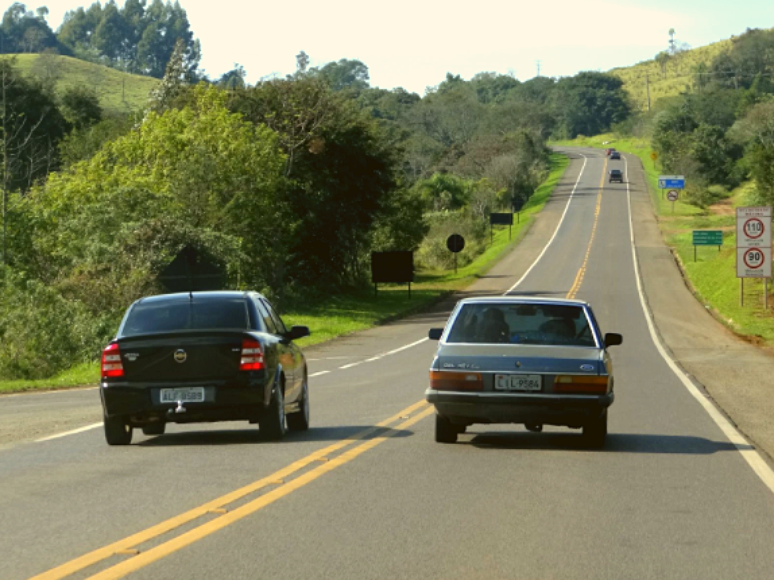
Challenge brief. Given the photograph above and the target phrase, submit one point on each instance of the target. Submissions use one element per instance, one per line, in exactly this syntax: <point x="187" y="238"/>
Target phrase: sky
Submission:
<point x="414" y="43"/>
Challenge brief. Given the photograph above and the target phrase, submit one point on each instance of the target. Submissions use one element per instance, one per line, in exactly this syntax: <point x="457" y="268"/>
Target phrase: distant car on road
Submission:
<point x="609" y="151"/>
<point x="615" y="155"/>
<point x="203" y="357"/>
<point x="616" y="175"/>
<point x="533" y="361"/>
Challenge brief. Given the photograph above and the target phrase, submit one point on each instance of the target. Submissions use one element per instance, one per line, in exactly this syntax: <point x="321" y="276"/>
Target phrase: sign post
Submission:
<point x="500" y="219"/>
<point x="753" y="246"/>
<point x="671" y="182"/>
<point x="672" y="196"/>
<point x="455" y="243"/>
<point x="706" y="238"/>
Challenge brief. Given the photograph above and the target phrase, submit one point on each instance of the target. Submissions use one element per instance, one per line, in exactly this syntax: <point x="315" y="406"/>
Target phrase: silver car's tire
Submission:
<point x="117" y="430"/>
<point x="595" y="431"/>
<point x="272" y="424"/>
<point x="445" y="431"/>
<point x="299" y="421"/>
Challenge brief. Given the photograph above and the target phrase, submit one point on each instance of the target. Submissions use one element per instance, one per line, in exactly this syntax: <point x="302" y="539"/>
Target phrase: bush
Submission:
<point x="42" y="332"/>
<point x="433" y="253"/>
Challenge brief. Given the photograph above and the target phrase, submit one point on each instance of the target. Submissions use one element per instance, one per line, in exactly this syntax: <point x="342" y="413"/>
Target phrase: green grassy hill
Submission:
<point x="676" y="78"/>
<point x="117" y="91"/>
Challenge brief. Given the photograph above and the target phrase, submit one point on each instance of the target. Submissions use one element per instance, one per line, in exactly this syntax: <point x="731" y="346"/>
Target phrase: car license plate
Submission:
<point x="184" y="395"/>
<point x="518" y="382"/>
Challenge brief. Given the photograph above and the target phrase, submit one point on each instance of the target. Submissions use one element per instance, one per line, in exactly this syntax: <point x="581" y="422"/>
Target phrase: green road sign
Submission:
<point x="707" y="238"/>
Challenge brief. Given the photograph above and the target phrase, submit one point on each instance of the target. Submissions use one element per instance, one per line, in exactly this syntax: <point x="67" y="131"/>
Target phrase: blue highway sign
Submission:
<point x="671" y="182"/>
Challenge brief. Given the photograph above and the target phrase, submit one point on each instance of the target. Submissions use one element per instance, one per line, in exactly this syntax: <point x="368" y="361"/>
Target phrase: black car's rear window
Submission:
<point x="615" y="172"/>
<point x="508" y="323"/>
<point x="172" y="316"/>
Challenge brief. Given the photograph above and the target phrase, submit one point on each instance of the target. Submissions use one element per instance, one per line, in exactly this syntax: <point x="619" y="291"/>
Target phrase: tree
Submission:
<point x="47" y="67"/>
<point x="345" y="74"/>
<point x="233" y="79"/>
<point x="302" y="62"/>
<point x="589" y="103"/>
<point x="31" y="128"/>
<point x="80" y="107"/>
<point x="171" y="86"/>
<point x="662" y="58"/>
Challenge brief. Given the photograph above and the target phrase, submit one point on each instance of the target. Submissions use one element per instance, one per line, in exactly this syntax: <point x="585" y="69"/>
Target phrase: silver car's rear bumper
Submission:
<point x="569" y="410"/>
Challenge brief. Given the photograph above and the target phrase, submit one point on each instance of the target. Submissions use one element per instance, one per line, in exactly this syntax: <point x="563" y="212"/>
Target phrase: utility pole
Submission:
<point x="647" y="89"/>
<point x="538" y="67"/>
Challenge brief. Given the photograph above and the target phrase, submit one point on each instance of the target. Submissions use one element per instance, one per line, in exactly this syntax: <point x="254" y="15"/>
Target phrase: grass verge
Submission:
<point x="344" y="314"/>
<point x="712" y="277"/>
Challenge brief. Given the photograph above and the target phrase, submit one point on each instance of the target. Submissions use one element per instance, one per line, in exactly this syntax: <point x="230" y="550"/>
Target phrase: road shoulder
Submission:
<point x="735" y="374"/>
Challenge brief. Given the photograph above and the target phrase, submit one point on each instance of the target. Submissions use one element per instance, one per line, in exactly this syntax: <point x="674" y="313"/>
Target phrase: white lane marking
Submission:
<point x="48" y="392"/>
<point x="319" y="374"/>
<point x="350" y="365"/>
<point x="73" y="432"/>
<point x="750" y="455"/>
<point x="329" y="358"/>
<point x="556" y="231"/>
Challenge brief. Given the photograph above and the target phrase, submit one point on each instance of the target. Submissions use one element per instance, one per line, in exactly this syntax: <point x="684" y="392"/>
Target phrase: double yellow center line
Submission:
<point x="274" y="487"/>
<point x="582" y="271"/>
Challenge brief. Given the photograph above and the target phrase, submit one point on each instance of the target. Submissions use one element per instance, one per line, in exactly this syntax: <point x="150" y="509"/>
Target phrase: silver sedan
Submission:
<point x="533" y="361"/>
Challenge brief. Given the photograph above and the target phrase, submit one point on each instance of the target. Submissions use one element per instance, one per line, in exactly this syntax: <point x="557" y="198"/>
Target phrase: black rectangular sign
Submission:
<point x="501" y="219"/>
<point x="396" y="267"/>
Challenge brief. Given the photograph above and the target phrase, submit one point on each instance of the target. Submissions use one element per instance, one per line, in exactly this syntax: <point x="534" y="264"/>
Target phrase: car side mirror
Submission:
<point x="613" y="339"/>
<point x="297" y="332"/>
<point x="435" y="333"/>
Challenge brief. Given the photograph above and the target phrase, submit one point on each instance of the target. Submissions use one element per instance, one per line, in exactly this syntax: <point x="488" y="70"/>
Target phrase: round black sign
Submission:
<point x="455" y="243"/>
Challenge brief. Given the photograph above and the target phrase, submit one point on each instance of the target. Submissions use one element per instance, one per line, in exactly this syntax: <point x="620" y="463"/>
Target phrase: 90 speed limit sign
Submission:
<point x="753" y="262"/>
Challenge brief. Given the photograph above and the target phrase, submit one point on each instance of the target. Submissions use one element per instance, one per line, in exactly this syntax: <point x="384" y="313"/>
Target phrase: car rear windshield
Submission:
<point x="171" y="316"/>
<point x="615" y="172"/>
<point x="508" y="323"/>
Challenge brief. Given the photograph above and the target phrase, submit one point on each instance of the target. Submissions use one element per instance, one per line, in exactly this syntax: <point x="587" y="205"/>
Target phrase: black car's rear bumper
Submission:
<point x="482" y="407"/>
<point x="140" y="403"/>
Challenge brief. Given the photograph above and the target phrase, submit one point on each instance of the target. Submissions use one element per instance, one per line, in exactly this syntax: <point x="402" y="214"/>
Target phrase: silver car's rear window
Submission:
<point x="542" y="324"/>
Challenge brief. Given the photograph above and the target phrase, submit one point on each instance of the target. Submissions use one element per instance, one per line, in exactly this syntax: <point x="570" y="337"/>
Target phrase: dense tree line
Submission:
<point x="719" y="133"/>
<point x="137" y="38"/>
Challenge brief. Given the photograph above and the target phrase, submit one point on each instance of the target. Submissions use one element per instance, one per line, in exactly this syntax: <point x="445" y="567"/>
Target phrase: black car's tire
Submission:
<point x="156" y="428"/>
<point x="117" y="431"/>
<point x="299" y="421"/>
<point x="595" y="431"/>
<point x="272" y="423"/>
<point x="445" y="430"/>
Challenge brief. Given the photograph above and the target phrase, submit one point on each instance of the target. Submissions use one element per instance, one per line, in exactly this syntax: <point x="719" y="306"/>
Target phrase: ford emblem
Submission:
<point x="180" y="355"/>
<point x="588" y="368"/>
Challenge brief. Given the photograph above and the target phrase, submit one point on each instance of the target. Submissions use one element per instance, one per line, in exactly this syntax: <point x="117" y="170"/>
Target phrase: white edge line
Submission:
<point x="556" y="231"/>
<point x="748" y="452"/>
<point x="73" y="432"/>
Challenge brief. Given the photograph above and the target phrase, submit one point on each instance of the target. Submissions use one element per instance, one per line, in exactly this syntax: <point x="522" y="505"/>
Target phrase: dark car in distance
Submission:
<point x="616" y="175"/>
<point x="203" y="357"/>
<point x="615" y="155"/>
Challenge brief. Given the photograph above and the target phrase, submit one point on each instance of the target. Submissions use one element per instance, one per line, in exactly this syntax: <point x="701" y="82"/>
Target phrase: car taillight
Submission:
<point x="252" y="355"/>
<point x="453" y="381"/>
<point x="580" y="384"/>
<point x="111" y="361"/>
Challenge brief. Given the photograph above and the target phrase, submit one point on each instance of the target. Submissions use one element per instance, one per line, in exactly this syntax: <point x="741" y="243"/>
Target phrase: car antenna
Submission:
<point x="190" y="295"/>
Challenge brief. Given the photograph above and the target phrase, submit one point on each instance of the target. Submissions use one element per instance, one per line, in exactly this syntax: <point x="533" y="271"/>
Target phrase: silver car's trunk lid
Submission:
<point x="520" y="358"/>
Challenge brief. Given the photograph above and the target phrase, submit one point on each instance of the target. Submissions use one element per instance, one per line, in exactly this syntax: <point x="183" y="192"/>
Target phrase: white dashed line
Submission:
<point x="319" y="374"/>
<point x="73" y="432"/>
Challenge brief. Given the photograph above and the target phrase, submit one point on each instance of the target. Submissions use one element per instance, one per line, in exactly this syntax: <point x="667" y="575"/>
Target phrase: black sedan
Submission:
<point x="203" y="357"/>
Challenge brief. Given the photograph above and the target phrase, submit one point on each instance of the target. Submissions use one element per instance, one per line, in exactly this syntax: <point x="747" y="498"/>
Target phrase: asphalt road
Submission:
<point x="367" y="493"/>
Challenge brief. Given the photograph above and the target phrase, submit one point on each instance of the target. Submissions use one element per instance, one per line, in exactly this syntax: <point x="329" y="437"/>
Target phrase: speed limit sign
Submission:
<point x="753" y="262"/>
<point x="753" y="227"/>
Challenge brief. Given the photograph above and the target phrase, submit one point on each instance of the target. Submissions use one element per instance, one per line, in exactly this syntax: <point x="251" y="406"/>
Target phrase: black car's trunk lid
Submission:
<point x="179" y="356"/>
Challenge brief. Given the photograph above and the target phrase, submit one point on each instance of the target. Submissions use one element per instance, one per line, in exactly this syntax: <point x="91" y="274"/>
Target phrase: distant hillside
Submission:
<point x="117" y="91"/>
<point x="676" y="79"/>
